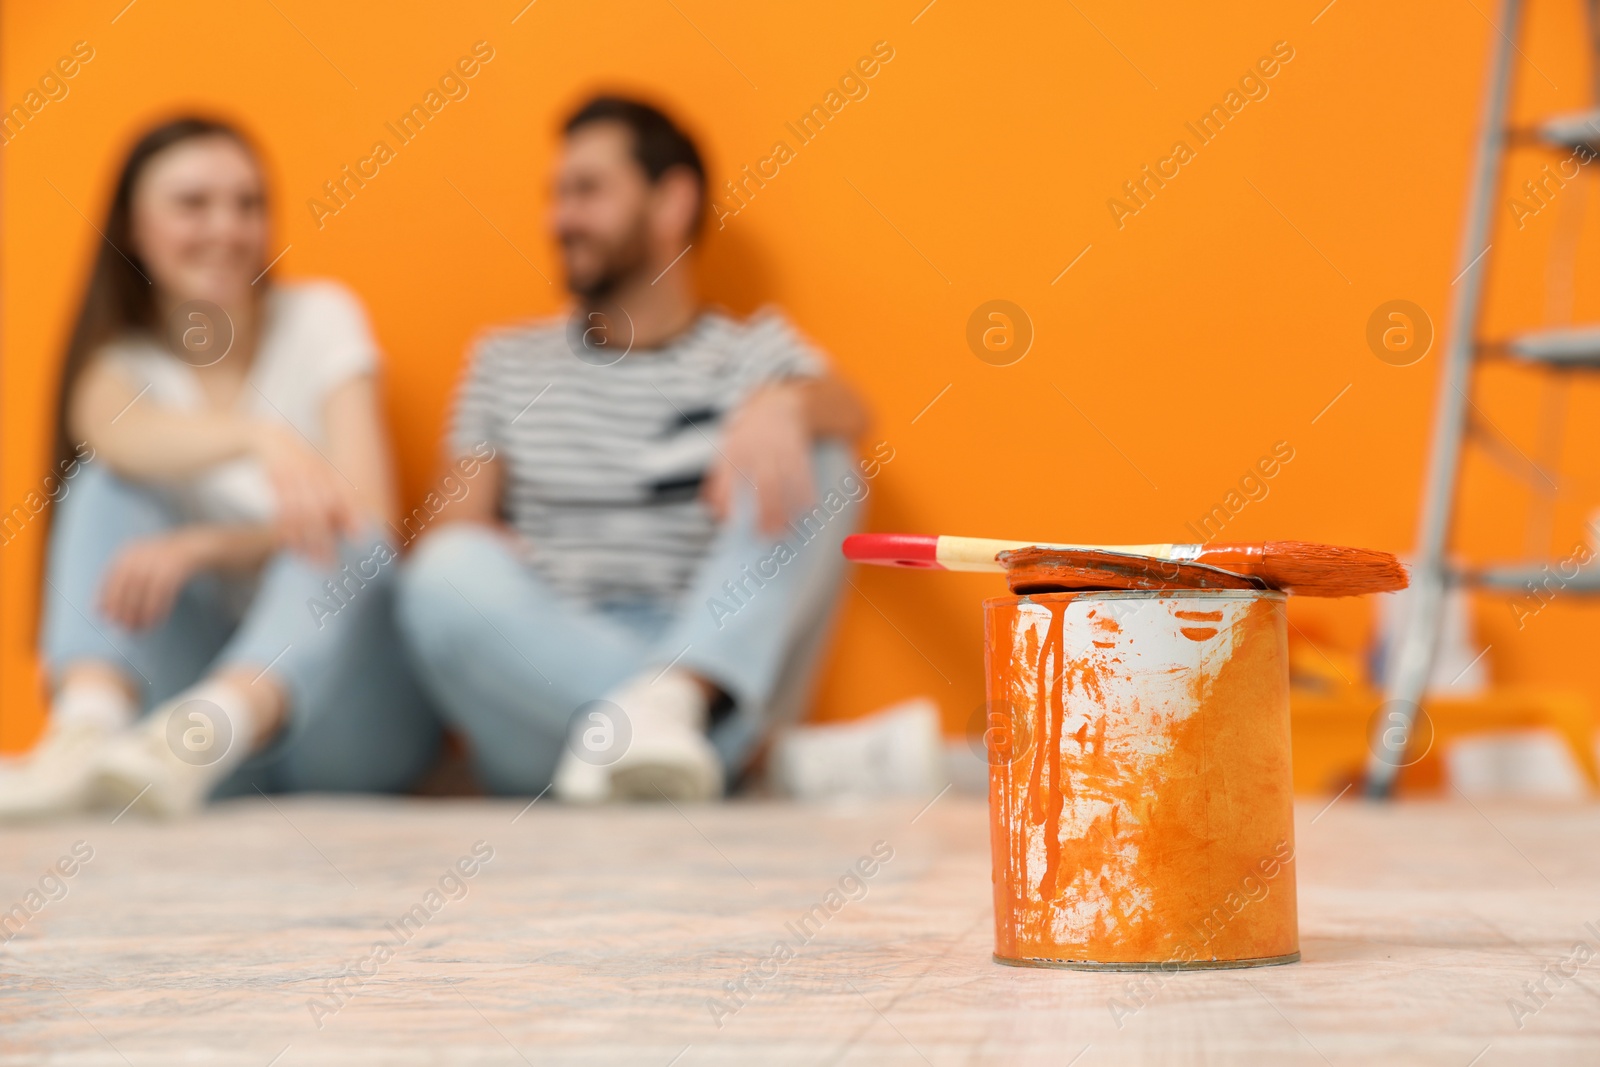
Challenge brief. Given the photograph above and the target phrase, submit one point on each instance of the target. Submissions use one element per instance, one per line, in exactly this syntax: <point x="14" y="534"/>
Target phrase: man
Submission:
<point x="621" y="594"/>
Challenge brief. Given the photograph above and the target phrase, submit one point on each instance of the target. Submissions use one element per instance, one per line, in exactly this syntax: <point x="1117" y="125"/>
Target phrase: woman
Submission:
<point x="218" y="558"/>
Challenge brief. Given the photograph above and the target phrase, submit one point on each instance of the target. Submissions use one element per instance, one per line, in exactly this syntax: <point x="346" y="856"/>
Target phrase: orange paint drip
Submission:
<point x="1141" y="812"/>
<point x="1198" y="616"/>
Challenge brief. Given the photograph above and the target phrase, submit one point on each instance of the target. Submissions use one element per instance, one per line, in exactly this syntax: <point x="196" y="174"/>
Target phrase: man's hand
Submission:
<point x="766" y="447"/>
<point x="144" y="580"/>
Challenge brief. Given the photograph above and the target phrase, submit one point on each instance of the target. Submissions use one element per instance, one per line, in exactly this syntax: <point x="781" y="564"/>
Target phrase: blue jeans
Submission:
<point x="357" y="721"/>
<point x="508" y="660"/>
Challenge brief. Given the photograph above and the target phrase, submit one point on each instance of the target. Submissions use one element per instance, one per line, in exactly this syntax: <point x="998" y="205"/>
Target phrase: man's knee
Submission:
<point x="838" y="495"/>
<point x="832" y="461"/>
<point x="440" y="589"/>
<point x="839" y="474"/>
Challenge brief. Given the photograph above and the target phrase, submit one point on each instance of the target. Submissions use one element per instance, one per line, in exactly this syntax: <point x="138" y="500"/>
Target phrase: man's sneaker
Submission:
<point x="661" y="748"/>
<point x="895" y="752"/>
<point x="578" y="781"/>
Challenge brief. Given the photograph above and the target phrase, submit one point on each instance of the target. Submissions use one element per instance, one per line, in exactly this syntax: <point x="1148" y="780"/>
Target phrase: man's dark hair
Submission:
<point x="658" y="143"/>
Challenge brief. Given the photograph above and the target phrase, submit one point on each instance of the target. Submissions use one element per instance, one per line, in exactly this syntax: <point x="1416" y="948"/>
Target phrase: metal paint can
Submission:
<point x="1140" y="797"/>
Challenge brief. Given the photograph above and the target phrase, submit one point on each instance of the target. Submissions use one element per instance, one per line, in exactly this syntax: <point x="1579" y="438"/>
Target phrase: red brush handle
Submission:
<point x="894" y="550"/>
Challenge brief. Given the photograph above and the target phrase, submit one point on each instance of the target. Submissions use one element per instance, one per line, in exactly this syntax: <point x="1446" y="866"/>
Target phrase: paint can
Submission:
<point x="1140" y="794"/>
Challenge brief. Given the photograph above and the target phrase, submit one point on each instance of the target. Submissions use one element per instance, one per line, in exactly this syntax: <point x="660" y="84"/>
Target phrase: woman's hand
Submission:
<point x="767" y="446"/>
<point x="316" y="506"/>
<point x="145" y="579"/>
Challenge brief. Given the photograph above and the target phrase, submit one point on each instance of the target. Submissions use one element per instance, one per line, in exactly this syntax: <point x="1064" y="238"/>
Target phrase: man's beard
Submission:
<point x="620" y="264"/>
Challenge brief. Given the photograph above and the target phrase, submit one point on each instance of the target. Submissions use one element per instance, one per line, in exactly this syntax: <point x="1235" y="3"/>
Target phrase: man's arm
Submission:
<point x="470" y="455"/>
<point x="833" y="409"/>
<point x="481" y="502"/>
<point x="766" y="446"/>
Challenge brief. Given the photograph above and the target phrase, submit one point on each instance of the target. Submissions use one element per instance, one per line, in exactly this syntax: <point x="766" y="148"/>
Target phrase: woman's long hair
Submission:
<point x="121" y="297"/>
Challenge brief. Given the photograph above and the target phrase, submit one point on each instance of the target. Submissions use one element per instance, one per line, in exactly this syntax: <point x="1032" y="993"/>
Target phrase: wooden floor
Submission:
<point x="606" y="937"/>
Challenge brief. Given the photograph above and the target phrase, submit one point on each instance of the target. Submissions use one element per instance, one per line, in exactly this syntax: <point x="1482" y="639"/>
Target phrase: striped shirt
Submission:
<point x="603" y="461"/>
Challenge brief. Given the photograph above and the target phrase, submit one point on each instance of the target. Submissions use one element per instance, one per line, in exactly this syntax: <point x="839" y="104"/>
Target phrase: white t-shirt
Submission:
<point x="314" y="338"/>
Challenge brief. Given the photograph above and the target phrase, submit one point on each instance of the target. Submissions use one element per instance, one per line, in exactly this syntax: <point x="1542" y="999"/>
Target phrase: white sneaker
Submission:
<point x="894" y="752"/>
<point x="57" y="776"/>
<point x="660" y="729"/>
<point x="146" y="765"/>
<point x="578" y="781"/>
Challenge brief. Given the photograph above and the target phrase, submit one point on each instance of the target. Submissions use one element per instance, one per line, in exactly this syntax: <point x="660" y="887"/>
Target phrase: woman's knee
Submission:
<point x="98" y="510"/>
<point x="97" y="515"/>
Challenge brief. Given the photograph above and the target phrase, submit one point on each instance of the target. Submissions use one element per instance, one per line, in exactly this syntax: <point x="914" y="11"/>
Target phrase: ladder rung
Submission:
<point x="1575" y="130"/>
<point x="1571" y="346"/>
<point x="1517" y="577"/>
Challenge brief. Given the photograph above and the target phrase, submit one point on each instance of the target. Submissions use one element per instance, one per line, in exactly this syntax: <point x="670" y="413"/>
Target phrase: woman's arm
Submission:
<point x="145" y="578"/>
<point x="143" y="441"/>
<point x="232" y="547"/>
<point x="358" y="448"/>
<point x="321" y="493"/>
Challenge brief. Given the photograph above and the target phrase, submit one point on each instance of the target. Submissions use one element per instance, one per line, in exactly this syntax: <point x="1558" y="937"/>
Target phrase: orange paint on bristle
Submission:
<point x="1298" y="567"/>
<point x="1308" y="569"/>
<point x="1048" y="570"/>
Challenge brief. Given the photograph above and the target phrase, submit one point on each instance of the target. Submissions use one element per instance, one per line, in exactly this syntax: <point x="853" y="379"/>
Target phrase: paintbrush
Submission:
<point x="1300" y="567"/>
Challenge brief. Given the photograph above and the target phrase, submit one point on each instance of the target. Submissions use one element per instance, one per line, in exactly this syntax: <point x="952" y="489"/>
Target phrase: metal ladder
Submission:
<point x="1558" y="350"/>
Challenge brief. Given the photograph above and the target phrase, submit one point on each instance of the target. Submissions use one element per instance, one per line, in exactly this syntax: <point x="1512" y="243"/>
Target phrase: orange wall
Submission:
<point x="1221" y="318"/>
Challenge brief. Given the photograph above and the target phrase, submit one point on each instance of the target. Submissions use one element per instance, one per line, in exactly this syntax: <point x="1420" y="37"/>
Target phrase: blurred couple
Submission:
<point x="225" y="605"/>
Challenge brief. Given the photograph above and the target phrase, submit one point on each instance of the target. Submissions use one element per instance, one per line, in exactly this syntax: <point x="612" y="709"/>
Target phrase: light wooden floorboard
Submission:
<point x="599" y="937"/>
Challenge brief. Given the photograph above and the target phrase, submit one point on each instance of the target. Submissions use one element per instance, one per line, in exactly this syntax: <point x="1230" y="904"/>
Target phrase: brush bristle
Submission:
<point x="1330" y="570"/>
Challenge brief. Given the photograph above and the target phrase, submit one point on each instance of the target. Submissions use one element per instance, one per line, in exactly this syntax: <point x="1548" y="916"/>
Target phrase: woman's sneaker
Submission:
<point x="176" y="756"/>
<point x="57" y="777"/>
